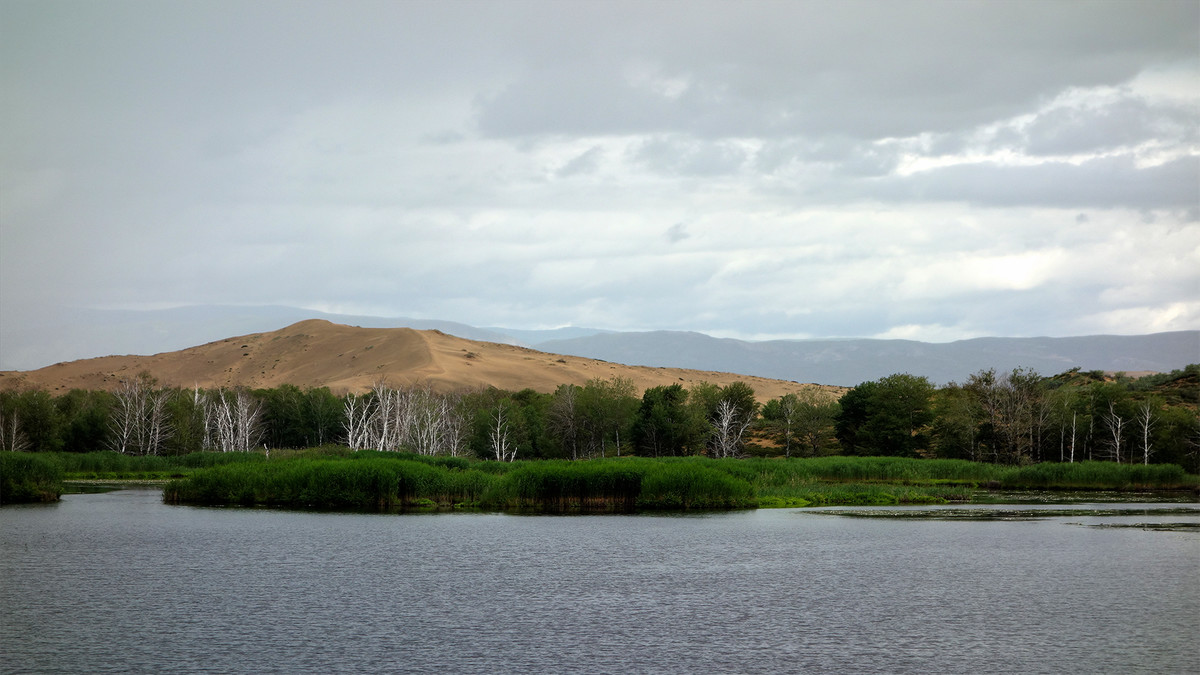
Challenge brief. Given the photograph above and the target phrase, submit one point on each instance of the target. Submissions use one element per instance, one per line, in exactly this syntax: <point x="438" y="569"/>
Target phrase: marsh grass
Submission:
<point x="382" y="482"/>
<point x="26" y="477"/>
<point x="867" y="494"/>
<point x="374" y="483"/>
<point x="1098" y="476"/>
<point x="335" y="478"/>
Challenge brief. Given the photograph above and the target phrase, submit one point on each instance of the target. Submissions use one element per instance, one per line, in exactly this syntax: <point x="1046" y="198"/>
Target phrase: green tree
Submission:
<point x="84" y="417"/>
<point x="284" y="417"/>
<point x="40" y="420"/>
<point x="607" y="410"/>
<point x="957" y="416"/>
<point x="815" y="417"/>
<point x="857" y="407"/>
<point x="665" y="425"/>
<point x="891" y="417"/>
<point x="780" y="418"/>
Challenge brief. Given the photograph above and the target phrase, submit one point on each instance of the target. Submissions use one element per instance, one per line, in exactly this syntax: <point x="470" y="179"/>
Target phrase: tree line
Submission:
<point x="1016" y="417"/>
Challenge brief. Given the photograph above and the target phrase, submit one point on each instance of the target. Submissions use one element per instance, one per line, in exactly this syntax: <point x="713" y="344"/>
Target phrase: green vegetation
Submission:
<point x="1097" y="476"/>
<point x="1006" y="419"/>
<point x="29" y="478"/>
<point x="390" y="481"/>
<point x="335" y="477"/>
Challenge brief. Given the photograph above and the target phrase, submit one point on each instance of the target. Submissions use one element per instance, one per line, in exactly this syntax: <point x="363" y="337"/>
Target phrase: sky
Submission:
<point x="796" y="169"/>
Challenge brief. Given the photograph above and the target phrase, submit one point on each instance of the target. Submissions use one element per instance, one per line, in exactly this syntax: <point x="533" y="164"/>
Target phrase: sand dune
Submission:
<point x="318" y="353"/>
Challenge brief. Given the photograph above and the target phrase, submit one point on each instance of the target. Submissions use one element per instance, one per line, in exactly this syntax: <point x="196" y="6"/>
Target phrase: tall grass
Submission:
<point x="1097" y="476"/>
<point x="369" y="483"/>
<point x="26" y="477"/>
<point x="390" y="482"/>
<point x="110" y="464"/>
<point x="368" y="480"/>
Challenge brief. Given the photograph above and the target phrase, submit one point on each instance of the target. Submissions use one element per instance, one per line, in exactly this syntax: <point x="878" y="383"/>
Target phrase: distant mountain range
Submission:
<point x="849" y="362"/>
<point x="89" y="333"/>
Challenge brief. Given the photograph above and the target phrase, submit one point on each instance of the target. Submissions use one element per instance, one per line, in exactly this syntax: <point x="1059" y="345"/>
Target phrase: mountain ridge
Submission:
<point x="52" y="336"/>
<point x="847" y="362"/>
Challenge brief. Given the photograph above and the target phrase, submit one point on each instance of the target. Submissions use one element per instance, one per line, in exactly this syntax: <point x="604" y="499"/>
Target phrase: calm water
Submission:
<point x="120" y="582"/>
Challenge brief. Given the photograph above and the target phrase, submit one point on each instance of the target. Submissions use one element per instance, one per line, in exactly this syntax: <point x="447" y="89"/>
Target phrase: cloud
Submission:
<point x="1115" y="182"/>
<point x="826" y="168"/>
<point x="677" y="233"/>
<point x="864" y="70"/>
<point x="1129" y="121"/>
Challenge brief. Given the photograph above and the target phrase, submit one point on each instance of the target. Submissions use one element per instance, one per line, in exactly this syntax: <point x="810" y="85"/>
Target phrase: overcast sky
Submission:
<point x="926" y="170"/>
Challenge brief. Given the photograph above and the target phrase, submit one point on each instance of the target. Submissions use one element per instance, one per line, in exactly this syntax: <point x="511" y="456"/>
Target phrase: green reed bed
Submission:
<point x="374" y="480"/>
<point x="897" y="470"/>
<point x="379" y="482"/>
<point x="369" y="483"/>
<point x="26" y="477"/>
<point x="109" y="465"/>
<point x="619" y="485"/>
<point x="1098" y="476"/>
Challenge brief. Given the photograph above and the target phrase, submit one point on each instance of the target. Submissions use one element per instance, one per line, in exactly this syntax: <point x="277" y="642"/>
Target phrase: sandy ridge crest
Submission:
<point x="318" y="353"/>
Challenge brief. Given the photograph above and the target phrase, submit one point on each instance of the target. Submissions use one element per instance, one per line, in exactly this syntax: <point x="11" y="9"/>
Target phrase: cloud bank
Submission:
<point x="927" y="170"/>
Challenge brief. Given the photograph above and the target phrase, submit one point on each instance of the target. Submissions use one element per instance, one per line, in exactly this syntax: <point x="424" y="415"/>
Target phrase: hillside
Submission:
<point x="317" y="353"/>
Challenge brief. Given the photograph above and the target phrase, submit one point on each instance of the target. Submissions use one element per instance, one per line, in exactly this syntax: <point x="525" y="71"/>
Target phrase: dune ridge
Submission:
<point x="318" y="353"/>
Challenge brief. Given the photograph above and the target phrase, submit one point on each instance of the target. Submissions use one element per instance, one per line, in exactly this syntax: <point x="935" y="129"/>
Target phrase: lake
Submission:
<point x="120" y="582"/>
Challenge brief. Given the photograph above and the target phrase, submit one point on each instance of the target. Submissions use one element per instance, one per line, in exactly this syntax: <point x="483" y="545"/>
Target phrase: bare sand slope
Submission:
<point x="318" y="353"/>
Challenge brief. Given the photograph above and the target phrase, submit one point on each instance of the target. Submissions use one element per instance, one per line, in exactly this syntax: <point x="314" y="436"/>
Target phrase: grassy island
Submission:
<point x="391" y="481"/>
<point x="333" y="477"/>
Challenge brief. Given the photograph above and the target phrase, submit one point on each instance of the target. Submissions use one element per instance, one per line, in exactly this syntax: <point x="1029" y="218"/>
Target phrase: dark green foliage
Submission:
<point x="84" y="416"/>
<point x="299" y="419"/>
<point x="892" y="416"/>
<point x="26" y="477"/>
<point x="665" y="425"/>
<point x="40" y="420"/>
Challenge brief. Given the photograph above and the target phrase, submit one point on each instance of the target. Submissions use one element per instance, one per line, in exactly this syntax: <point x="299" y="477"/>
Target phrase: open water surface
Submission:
<point x="120" y="582"/>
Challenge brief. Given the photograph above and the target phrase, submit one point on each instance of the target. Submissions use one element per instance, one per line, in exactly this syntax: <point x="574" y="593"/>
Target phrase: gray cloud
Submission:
<point x="1071" y="130"/>
<point x="1114" y="182"/>
<point x="690" y="157"/>
<point x="515" y="163"/>
<point x="859" y="69"/>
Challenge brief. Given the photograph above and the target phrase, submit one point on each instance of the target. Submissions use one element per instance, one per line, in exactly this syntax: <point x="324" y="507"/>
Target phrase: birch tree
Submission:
<point x="1115" y="424"/>
<point x="358" y="411"/>
<point x="1146" y="416"/>
<point x="728" y="430"/>
<point x="12" y="437"/>
<point x="502" y="448"/>
<point x="138" y="423"/>
<point x="233" y="420"/>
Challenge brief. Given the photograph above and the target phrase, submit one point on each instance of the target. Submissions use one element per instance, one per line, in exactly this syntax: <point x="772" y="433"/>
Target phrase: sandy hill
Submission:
<point x="318" y="353"/>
